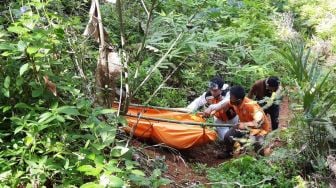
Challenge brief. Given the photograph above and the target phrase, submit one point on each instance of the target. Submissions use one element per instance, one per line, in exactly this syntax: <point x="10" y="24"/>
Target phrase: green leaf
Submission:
<point x="119" y="151"/>
<point x="110" y="181"/>
<point x="24" y="68"/>
<point x="28" y="140"/>
<point x="6" y="108"/>
<point x="138" y="172"/>
<point x="37" y="92"/>
<point x="32" y="50"/>
<point x="91" y="185"/>
<point x="18" y="129"/>
<point x="43" y="117"/>
<point x="5" y="175"/>
<point x="89" y="170"/>
<point x="17" y="29"/>
<point x="22" y="106"/>
<point x="156" y="173"/>
<point x="6" y="46"/>
<point x="104" y="111"/>
<point x="5" y="54"/>
<point x="7" y="82"/>
<point x="116" y="181"/>
<point x="69" y="110"/>
<point x="5" y="92"/>
<point x="21" y="46"/>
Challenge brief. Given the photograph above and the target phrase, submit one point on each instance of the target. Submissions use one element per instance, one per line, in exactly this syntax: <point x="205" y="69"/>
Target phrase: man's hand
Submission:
<point x="241" y="126"/>
<point x="207" y="112"/>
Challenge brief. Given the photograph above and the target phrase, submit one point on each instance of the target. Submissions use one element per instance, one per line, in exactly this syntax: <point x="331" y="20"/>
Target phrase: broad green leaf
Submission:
<point x="5" y="175"/>
<point x="32" y="50"/>
<point x="60" y="118"/>
<point x="7" y="82"/>
<point x="85" y="168"/>
<point x="17" y="29"/>
<point x="119" y="151"/>
<point x="7" y="46"/>
<point x="107" y="134"/>
<point x="116" y="181"/>
<point x="91" y="185"/>
<point x="18" y="129"/>
<point x="22" y="46"/>
<point x="22" y="106"/>
<point x="24" y="68"/>
<point x="6" y="54"/>
<point x="5" y="92"/>
<point x="69" y="110"/>
<point x="6" y="108"/>
<point x="89" y="170"/>
<point x="43" y="117"/>
<point x="138" y="172"/>
<point x="37" y="92"/>
<point x="110" y="181"/>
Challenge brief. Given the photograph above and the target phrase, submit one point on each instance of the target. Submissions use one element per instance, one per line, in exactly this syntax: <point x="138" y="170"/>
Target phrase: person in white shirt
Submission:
<point x="218" y="92"/>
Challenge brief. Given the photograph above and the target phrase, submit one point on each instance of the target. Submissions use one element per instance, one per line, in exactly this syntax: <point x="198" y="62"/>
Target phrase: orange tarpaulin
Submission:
<point x="179" y="136"/>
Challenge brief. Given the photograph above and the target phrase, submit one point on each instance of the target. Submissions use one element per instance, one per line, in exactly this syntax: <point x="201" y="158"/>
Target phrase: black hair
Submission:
<point x="217" y="80"/>
<point x="273" y="81"/>
<point x="237" y="91"/>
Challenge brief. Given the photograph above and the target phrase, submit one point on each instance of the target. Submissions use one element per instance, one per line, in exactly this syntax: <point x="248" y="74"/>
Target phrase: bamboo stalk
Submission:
<point x="162" y="108"/>
<point x="182" y="122"/>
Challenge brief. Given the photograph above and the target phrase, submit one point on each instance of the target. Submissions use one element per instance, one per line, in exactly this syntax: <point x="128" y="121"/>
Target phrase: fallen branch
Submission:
<point x="237" y="183"/>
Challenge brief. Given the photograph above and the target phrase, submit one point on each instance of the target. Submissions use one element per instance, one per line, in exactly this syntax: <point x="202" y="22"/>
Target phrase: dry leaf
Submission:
<point x="50" y="86"/>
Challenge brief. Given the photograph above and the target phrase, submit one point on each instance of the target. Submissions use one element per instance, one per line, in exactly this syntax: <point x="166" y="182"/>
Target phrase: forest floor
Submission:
<point x="184" y="168"/>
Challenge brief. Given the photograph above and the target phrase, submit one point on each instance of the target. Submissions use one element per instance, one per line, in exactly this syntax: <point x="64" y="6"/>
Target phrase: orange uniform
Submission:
<point x="247" y="111"/>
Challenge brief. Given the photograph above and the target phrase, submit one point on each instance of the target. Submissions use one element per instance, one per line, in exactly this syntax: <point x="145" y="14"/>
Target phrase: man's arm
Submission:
<point x="223" y="104"/>
<point x="197" y="103"/>
<point x="275" y="98"/>
<point x="252" y="92"/>
<point x="256" y="123"/>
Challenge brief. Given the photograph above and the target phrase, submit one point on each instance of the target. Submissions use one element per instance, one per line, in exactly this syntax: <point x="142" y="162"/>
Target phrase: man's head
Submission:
<point x="215" y="86"/>
<point x="237" y="95"/>
<point x="272" y="83"/>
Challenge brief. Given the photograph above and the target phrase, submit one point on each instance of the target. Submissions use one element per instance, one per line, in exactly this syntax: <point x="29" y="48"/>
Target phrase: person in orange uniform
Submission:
<point x="252" y="119"/>
<point x="217" y="92"/>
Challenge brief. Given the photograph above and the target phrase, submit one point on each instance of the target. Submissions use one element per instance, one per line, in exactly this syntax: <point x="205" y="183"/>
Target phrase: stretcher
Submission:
<point x="174" y="128"/>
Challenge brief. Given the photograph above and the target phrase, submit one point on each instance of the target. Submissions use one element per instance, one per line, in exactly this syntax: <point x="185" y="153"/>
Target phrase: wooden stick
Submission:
<point x="182" y="122"/>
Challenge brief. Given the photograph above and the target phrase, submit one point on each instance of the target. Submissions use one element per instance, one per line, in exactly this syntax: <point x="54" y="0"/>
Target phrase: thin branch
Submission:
<point x="121" y="93"/>
<point x="144" y="5"/>
<point x="133" y="130"/>
<point x="124" y="57"/>
<point x="162" y="84"/>
<point x="149" y="17"/>
<point x="158" y="63"/>
<point x="10" y="13"/>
